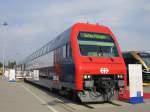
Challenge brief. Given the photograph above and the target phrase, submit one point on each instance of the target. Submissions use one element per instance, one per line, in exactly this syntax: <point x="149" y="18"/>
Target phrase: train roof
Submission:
<point x="61" y="40"/>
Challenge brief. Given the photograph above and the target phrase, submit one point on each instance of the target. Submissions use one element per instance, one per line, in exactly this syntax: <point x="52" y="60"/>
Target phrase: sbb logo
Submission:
<point x="104" y="70"/>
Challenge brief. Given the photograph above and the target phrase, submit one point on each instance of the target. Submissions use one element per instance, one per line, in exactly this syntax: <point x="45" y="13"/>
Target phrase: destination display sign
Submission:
<point x="94" y="36"/>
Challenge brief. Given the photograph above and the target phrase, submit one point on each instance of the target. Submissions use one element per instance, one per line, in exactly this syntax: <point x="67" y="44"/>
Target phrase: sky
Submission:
<point x="32" y="23"/>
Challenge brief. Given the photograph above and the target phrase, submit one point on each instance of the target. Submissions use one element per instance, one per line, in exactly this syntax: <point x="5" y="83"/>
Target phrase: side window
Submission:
<point x="44" y="49"/>
<point x="41" y="51"/>
<point x="64" y="51"/>
<point x="68" y="50"/>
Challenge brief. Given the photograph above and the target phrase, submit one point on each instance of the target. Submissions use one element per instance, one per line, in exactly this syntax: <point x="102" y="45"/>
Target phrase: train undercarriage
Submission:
<point x="101" y="88"/>
<point x="96" y="88"/>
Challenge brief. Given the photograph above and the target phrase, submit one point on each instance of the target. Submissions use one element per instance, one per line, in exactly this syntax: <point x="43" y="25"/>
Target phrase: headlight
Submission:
<point x="89" y="76"/>
<point x="85" y="76"/>
<point x="120" y="76"/>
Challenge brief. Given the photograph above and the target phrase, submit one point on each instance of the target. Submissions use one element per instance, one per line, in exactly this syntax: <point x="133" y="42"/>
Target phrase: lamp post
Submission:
<point x="4" y="24"/>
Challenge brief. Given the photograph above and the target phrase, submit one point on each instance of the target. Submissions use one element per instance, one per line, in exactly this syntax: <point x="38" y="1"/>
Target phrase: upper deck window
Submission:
<point x="67" y="51"/>
<point x="97" y="44"/>
<point x="146" y="58"/>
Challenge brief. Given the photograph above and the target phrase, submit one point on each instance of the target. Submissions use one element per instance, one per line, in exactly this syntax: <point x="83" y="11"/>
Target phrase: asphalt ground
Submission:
<point x="24" y="97"/>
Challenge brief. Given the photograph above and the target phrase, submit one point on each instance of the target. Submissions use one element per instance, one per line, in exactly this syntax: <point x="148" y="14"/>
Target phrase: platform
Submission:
<point x="23" y="97"/>
<point x="15" y="98"/>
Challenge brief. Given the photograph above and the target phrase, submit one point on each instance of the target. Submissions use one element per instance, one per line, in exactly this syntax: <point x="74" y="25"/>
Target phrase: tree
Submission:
<point x="11" y="64"/>
<point x="1" y="65"/>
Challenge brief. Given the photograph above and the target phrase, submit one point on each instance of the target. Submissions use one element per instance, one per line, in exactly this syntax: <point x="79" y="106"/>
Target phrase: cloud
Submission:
<point x="32" y="24"/>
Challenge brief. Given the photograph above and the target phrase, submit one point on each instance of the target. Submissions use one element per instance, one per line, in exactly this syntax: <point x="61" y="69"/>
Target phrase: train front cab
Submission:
<point x="100" y="70"/>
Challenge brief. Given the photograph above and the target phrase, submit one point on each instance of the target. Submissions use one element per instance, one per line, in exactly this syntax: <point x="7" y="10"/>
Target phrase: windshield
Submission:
<point x="97" y="44"/>
<point x="146" y="58"/>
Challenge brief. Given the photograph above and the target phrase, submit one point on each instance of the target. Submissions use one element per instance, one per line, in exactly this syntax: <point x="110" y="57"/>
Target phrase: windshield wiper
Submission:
<point x="100" y="51"/>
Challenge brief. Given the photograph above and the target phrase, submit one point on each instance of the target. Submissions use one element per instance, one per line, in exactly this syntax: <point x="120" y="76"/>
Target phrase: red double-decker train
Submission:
<point x="84" y="61"/>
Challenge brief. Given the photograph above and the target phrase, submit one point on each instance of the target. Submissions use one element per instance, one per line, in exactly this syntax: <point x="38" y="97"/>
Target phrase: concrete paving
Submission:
<point x="14" y="98"/>
<point x="23" y="97"/>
